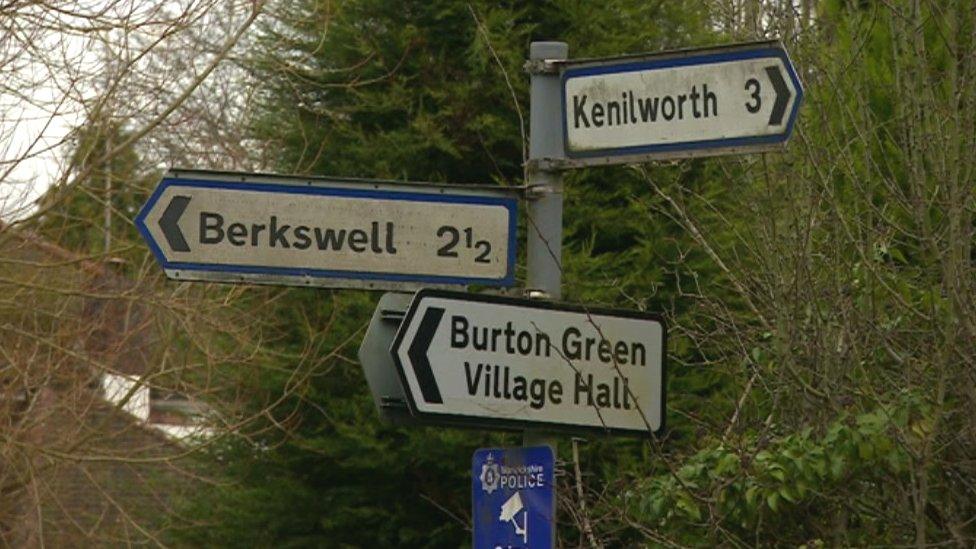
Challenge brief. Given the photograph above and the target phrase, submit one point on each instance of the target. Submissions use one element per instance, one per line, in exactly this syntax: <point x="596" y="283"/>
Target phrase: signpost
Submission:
<point x="482" y="360"/>
<point x="732" y="99"/>
<point x="329" y="232"/>
<point x="514" y="363"/>
<point x="513" y="497"/>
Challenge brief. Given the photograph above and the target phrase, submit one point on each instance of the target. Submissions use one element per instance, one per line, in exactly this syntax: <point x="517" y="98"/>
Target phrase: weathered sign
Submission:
<point x="329" y="232"/>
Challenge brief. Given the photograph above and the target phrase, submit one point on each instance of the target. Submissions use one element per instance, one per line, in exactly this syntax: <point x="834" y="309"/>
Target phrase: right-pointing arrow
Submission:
<point x="169" y="223"/>
<point x="418" y="355"/>
<point x="782" y="95"/>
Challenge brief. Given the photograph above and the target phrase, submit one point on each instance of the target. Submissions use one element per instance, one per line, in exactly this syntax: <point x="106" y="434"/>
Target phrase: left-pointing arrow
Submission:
<point x="169" y="223"/>
<point x="418" y="355"/>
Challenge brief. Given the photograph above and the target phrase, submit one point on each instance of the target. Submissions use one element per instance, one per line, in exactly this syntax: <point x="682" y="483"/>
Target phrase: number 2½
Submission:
<point x="454" y="237"/>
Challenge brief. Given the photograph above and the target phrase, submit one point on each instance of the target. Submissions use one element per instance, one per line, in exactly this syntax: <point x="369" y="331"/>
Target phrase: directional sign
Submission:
<point x="513" y="498"/>
<point x="329" y="232"/>
<point x="515" y="363"/>
<point x="741" y="98"/>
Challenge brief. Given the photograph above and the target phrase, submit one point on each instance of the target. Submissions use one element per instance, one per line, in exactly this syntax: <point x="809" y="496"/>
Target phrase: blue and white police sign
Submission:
<point x="513" y="498"/>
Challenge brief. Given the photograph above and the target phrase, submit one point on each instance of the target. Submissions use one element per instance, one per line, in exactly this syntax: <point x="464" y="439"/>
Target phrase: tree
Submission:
<point x="849" y="251"/>
<point x="80" y="217"/>
<point x="69" y="320"/>
<point x="818" y="299"/>
<point x="423" y="91"/>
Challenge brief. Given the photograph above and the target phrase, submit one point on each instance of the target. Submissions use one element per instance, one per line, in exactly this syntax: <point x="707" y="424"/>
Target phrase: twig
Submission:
<point x="584" y="518"/>
<point x="508" y="81"/>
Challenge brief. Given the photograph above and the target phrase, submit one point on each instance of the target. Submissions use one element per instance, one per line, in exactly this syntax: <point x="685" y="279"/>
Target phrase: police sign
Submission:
<point x="513" y="498"/>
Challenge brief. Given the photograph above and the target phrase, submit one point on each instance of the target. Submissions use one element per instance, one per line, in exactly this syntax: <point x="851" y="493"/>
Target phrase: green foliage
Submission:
<point x="820" y="300"/>
<point x="847" y="251"/>
<point x="420" y="90"/>
<point x="313" y="466"/>
<point x="786" y="487"/>
<point x="429" y="90"/>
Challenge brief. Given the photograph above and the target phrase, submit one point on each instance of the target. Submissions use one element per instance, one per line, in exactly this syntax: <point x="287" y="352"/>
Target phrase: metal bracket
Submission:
<point x="536" y="192"/>
<point x="536" y="294"/>
<point x="535" y="165"/>
<point x="543" y="66"/>
<point x="393" y="315"/>
<point x="392" y="402"/>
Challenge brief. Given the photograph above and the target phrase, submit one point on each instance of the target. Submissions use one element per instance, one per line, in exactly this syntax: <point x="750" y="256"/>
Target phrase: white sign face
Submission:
<point x="738" y="99"/>
<point x="514" y="362"/>
<point x="316" y="235"/>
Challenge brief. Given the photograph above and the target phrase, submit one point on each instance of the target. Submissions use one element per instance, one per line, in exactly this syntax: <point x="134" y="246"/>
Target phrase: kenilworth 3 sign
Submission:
<point x="741" y="98"/>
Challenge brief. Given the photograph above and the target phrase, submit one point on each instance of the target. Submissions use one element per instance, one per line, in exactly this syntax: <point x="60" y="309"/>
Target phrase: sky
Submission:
<point x="56" y="60"/>
<point x="36" y="138"/>
<point x="45" y="74"/>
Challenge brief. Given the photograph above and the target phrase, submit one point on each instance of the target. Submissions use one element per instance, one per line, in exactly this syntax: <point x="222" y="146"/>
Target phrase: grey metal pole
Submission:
<point x="545" y="188"/>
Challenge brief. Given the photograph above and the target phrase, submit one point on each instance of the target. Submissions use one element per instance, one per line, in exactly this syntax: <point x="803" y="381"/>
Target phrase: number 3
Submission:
<point x="752" y="82"/>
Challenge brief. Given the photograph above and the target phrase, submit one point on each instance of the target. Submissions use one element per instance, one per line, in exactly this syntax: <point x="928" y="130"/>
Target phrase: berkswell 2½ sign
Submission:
<point x="510" y="362"/>
<point x="739" y="98"/>
<point x="329" y="232"/>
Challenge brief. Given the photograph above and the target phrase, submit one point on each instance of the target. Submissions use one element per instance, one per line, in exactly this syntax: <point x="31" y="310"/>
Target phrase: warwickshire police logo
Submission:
<point x="489" y="475"/>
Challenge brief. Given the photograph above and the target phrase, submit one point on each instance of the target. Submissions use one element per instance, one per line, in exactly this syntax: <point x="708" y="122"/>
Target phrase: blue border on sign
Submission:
<point x="510" y="204"/>
<point x="693" y="60"/>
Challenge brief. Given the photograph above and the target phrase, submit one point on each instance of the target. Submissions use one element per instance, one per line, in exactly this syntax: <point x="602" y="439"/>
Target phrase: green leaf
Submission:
<point x="819" y="465"/>
<point x="751" y="494"/>
<point x="865" y="450"/>
<point x="838" y="466"/>
<point x="688" y="506"/>
<point x="726" y="464"/>
<point x="897" y="255"/>
<point x="787" y="494"/>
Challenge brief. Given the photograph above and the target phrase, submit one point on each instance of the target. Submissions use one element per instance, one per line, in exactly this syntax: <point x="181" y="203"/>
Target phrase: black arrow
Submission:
<point x="169" y="223"/>
<point x="782" y="95"/>
<point x="418" y="355"/>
